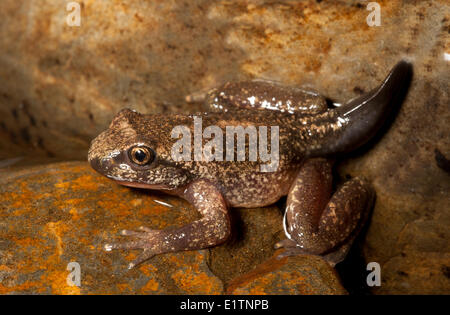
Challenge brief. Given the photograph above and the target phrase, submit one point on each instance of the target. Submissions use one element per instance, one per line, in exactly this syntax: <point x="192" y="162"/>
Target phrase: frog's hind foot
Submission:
<point x="286" y="243"/>
<point x="333" y="258"/>
<point x="290" y="248"/>
<point x="321" y="222"/>
<point x="291" y="251"/>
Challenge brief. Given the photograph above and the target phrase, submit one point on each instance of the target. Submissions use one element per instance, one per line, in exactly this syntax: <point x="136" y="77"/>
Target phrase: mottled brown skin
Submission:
<point x="317" y="221"/>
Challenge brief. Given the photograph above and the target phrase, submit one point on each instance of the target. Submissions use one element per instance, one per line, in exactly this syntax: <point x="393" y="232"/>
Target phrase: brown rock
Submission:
<point x="255" y="232"/>
<point x="403" y="273"/>
<point x="60" y="213"/>
<point x="65" y="212"/>
<point x="291" y="275"/>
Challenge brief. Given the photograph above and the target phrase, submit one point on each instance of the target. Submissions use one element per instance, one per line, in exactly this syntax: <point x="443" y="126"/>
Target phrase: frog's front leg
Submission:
<point x="320" y="225"/>
<point x="212" y="229"/>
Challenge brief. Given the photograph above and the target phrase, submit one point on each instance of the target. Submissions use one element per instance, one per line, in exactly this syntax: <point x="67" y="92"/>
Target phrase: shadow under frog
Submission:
<point x="136" y="151"/>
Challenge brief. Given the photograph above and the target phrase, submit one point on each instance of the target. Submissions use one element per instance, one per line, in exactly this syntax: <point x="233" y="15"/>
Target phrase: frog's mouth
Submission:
<point x="141" y="185"/>
<point x="106" y="168"/>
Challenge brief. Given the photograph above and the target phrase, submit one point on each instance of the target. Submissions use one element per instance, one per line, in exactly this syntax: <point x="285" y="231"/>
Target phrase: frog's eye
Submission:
<point x="141" y="155"/>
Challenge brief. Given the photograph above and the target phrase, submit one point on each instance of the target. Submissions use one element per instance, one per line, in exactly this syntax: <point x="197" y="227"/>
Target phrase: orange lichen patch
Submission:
<point x="148" y="269"/>
<point x="199" y="257"/>
<point x="259" y="287"/>
<point x="58" y="282"/>
<point x="136" y="202"/>
<point x="28" y="242"/>
<point x="192" y="282"/>
<point x="85" y="182"/>
<point x="62" y="185"/>
<point x="124" y="287"/>
<point x="26" y="286"/>
<point x="5" y="268"/>
<point x="132" y="255"/>
<point x="293" y="275"/>
<point x="74" y="213"/>
<point x="150" y="287"/>
<point x="75" y="202"/>
<point x="57" y="230"/>
<point x="24" y="198"/>
<point x="266" y="267"/>
<point x="120" y="209"/>
<point x="153" y="208"/>
<point x="176" y="260"/>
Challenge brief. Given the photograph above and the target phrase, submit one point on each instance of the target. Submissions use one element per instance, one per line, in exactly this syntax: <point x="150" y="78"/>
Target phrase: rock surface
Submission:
<point x="292" y="275"/>
<point x="61" y="85"/>
<point x="55" y="214"/>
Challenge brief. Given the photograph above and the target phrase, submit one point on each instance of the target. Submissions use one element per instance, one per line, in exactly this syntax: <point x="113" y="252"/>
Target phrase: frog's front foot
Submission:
<point x="146" y="239"/>
<point x="212" y="229"/>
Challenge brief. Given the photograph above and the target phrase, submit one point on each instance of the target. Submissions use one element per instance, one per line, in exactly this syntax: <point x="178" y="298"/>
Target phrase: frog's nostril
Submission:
<point x="96" y="164"/>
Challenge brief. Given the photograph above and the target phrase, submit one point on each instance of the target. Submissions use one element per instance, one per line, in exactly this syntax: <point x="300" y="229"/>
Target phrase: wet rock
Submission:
<point x="402" y="274"/>
<point x="291" y="275"/>
<point x="60" y="213"/>
<point x="255" y="232"/>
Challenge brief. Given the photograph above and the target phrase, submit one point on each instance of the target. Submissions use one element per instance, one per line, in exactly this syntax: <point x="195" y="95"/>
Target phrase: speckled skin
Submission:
<point x="316" y="220"/>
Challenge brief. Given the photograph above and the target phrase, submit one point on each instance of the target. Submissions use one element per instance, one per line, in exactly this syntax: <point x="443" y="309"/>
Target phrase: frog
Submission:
<point x="137" y="150"/>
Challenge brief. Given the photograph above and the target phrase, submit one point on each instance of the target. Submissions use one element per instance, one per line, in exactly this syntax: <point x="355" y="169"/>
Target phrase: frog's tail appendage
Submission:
<point x="353" y="124"/>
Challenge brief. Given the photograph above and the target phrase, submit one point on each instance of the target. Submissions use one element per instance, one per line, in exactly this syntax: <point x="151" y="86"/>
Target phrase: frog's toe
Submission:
<point x="146" y="229"/>
<point x="286" y="243"/>
<point x="141" y="240"/>
<point x="135" y="244"/>
<point x="292" y="251"/>
<point x="144" y="239"/>
<point x="145" y="255"/>
<point x="143" y="232"/>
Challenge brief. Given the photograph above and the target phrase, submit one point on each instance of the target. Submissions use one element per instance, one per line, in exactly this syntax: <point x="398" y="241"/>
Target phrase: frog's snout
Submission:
<point x="103" y="165"/>
<point x="97" y="158"/>
<point x="95" y="164"/>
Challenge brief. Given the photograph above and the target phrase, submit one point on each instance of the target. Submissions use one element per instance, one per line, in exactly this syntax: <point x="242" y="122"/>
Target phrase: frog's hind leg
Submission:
<point x="319" y="225"/>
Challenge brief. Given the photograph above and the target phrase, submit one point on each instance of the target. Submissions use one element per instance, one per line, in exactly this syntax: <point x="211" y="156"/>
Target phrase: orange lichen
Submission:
<point x="150" y="287"/>
<point x="148" y="269"/>
<point x="62" y="185"/>
<point x="58" y="282"/>
<point x="196" y="282"/>
<point x="266" y="267"/>
<point x="85" y="182"/>
<point x="57" y="229"/>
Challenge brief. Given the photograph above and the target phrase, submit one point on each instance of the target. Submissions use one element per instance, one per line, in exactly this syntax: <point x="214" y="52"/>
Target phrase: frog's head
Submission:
<point x="132" y="152"/>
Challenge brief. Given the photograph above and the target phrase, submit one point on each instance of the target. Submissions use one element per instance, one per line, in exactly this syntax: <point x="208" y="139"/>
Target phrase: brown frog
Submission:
<point x="305" y="135"/>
